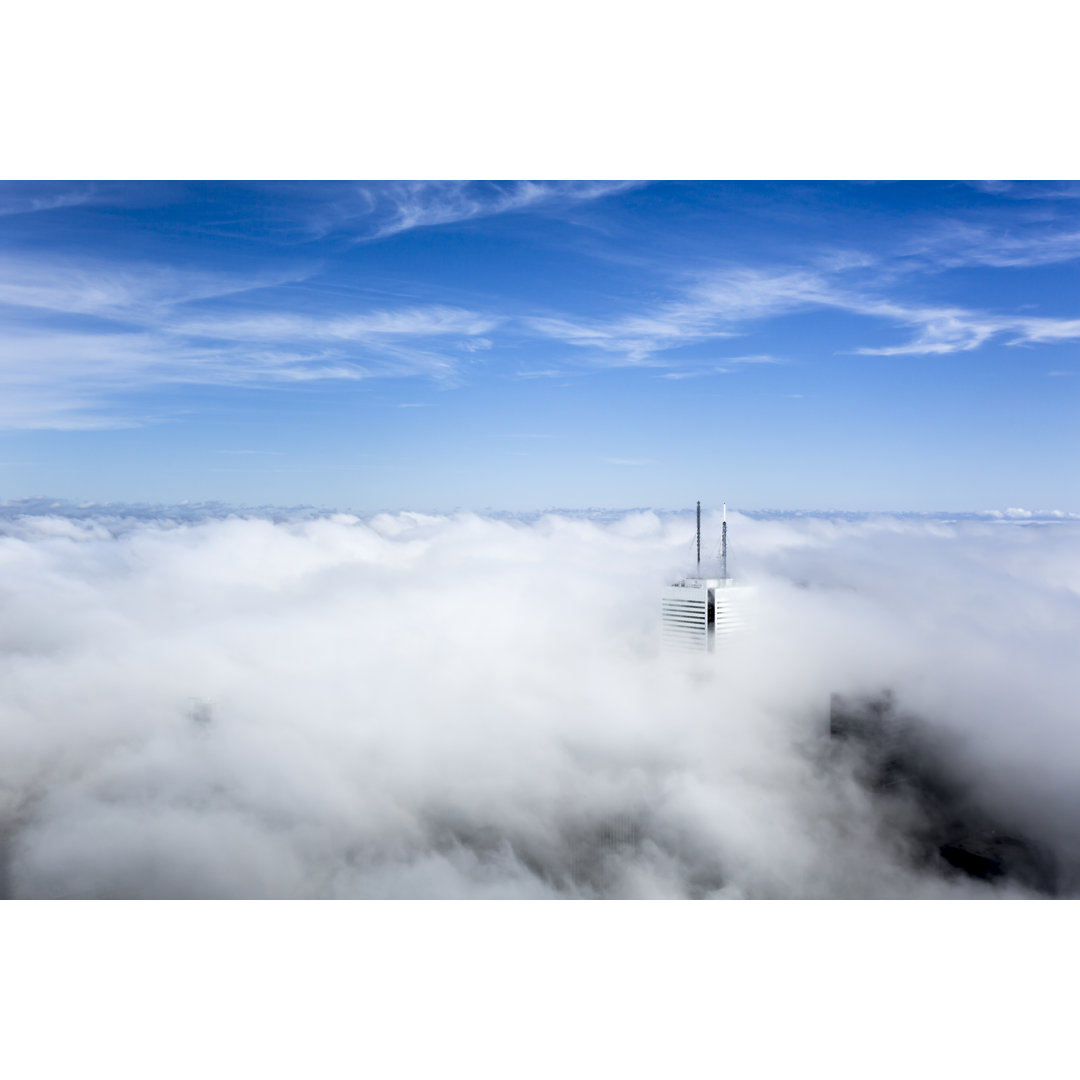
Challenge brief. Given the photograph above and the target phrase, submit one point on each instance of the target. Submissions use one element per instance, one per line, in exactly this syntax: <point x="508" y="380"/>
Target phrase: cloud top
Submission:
<point x="413" y="705"/>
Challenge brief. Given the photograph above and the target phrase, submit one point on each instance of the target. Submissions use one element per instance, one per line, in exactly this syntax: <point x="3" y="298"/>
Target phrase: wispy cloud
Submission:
<point x="63" y="379"/>
<point x="939" y="330"/>
<point x="723" y="366"/>
<point x="57" y="379"/>
<point x="712" y="307"/>
<point x="721" y="305"/>
<point x="947" y="330"/>
<point x="77" y="331"/>
<point x="378" y="210"/>
<point x="728" y="364"/>
<point x="476" y="344"/>
<point x="953" y="244"/>
<point x="1029" y="189"/>
<point x="636" y="339"/>
<point x="135" y="292"/>
<point x="432" y="321"/>
<point x="154" y="325"/>
<point x="991" y="187"/>
<point x="394" y="342"/>
<point x="420" y="204"/>
<point x="29" y="197"/>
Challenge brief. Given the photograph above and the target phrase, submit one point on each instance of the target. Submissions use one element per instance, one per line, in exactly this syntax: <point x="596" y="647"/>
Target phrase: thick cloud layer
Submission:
<point x="414" y="706"/>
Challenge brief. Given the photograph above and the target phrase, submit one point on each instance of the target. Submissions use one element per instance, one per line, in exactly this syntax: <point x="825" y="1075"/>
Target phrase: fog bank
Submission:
<point x="422" y="706"/>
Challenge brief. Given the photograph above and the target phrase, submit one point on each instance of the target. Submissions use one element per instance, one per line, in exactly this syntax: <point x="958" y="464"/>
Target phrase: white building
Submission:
<point x="698" y="611"/>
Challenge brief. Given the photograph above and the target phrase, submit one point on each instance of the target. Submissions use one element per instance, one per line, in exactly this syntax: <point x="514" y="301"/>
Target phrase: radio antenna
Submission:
<point x="723" y="544"/>
<point x="699" y="538"/>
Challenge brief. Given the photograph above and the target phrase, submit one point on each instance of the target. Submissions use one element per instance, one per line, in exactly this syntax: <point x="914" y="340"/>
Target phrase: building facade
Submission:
<point x="697" y="613"/>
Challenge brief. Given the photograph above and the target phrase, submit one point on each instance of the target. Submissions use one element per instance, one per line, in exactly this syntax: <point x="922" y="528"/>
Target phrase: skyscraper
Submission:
<point x="698" y="611"/>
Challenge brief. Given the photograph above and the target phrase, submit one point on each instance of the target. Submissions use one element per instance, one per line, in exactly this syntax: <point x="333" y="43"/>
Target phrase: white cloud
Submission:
<point x="377" y="210"/>
<point x="943" y="331"/>
<point x="719" y="305"/>
<point x="476" y="344"/>
<point x="940" y="330"/>
<point x="153" y="333"/>
<point x="62" y="379"/>
<point x="711" y="307"/>
<point x="424" y="203"/>
<point x="431" y="321"/>
<point x="424" y="706"/>
<point x="31" y="198"/>
<point x="955" y="244"/>
<point x="992" y="187"/>
<point x="636" y="339"/>
<point x="133" y="292"/>
<point x="1029" y="189"/>
<point x="729" y="364"/>
<point x="77" y="333"/>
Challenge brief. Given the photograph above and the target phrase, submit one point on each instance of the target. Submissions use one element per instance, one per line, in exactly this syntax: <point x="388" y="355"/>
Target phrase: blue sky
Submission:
<point x="524" y="345"/>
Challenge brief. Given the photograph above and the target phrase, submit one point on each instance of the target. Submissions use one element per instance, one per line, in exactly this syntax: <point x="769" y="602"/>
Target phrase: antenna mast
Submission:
<point x="723" y="544"/>
<point x="699" y="538"/>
